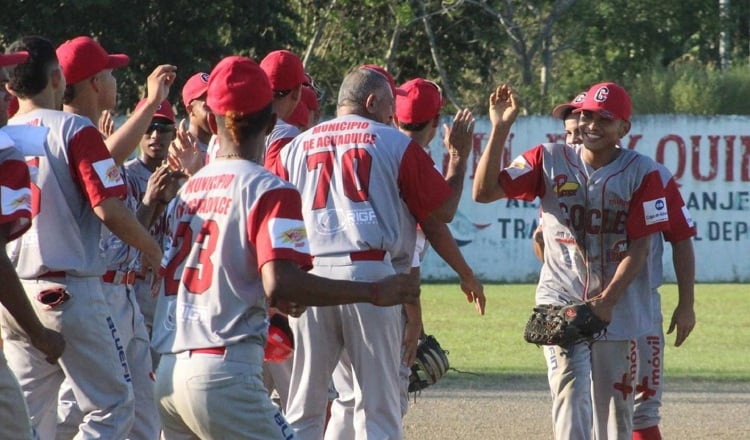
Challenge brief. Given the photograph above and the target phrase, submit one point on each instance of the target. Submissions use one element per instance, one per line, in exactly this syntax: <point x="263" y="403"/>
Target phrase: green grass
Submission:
<point x="493" y="344"/>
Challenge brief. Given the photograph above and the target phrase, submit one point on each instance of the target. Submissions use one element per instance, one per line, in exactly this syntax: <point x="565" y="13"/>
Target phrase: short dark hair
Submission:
<point x="30" y="78"/>
<point x="413" y="126"/>
<point x="70" y="93"/>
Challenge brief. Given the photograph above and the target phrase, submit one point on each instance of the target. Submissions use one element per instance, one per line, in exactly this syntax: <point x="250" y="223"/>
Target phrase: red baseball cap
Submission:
<point x="194" y="88"/>
<point x="609" y="100"/>
<point x="383" y="72"/>
<point x="11" y="59"/>
<point x="284" y="69"/>
<point x="238" y="84"/>
<point x="83" y="57"/>
<point x="300" y="117"/>
<point x="418" y="101"/>
<point x="310" y="98"/>
<point x="163" y="111"/>
<point x="563" y="110"/>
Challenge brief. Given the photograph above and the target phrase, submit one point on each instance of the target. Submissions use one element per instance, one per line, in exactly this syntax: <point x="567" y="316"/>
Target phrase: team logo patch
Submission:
<point x="288" y="233"/>
<point x="563" y="188"/>
<point x="108" y="172"/>
<point x="618" y="251"/>
<point x="14" y="200"/>
<point x="518" y="168"/>
<point x="655" y="211"/>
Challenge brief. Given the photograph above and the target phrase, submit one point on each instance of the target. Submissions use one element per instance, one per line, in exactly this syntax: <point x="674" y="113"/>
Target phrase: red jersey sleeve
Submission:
<point x="422" y="187"/>
<point x="272" y="153"/>
<point x="15" y="197"/>
<point x="524" y="178"/>
<point x="681" y="225"/>
<point x="276" y="229"/>
<point x="93" y="167"/>
<point x="648" y="212"/>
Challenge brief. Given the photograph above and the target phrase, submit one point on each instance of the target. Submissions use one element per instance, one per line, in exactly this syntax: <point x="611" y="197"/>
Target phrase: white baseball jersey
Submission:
<point x="77" y="173"/>
<point x="588" y="217"/>
<point x="116" y="253"/>
<point x="283" y="133"/>
<point x="136" y="177"/>
<point x="362" y="183"/>
<point x="227" y="221"/>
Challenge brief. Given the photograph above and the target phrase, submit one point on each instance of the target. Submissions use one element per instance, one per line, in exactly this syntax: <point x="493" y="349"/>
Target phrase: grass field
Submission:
<point x="493" y="344"/>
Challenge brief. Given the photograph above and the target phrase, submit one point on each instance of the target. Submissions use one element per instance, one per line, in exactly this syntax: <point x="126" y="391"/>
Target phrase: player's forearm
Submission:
<point x="627" y="270"/>
<point x="123" y="223"/>
<point x="283" y="280"/>
<point x="125" y="139"/>
<point x="538" y="244"/>
<point x="150" y="210"/>
<point x="454" y="176"/>
<point x="14" y="299"/>
<point x="413" y="314"/>
<point x="487" y="187"/>
<point x="442" y="241"/>
<point x="683" y="260"/>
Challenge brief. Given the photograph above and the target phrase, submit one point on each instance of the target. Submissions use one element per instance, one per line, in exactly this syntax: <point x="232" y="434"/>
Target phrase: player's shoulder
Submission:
<point x="638" y="160"/>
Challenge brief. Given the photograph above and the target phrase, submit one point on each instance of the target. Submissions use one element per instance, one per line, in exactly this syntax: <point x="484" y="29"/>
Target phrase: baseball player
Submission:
<point x="287" y="75"/>
<point x="648" y="388"/>
<point x="363" y="186"/>
<point x="649" y="381"/>
<point x="77" y="187"/>
<point x="600" y="206"/>
<point x="418" y="106"/>
<point x="154" y="144"/>
<point x="194" y="100"/>
<point x="237" y="239"/>
<point x="15" y="219"/>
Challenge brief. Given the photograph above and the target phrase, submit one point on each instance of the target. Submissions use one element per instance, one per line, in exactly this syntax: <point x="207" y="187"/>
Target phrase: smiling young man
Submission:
<point x="600" y="205"/>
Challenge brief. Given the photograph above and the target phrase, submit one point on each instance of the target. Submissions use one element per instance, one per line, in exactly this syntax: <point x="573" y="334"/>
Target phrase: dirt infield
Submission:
<point x="501" y="407"/>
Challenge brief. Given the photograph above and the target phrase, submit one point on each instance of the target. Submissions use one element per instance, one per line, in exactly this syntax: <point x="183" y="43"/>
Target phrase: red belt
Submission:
<point x="371" y="255"/>
<point x="211" y="350"/>
<point x="119" y="277"/>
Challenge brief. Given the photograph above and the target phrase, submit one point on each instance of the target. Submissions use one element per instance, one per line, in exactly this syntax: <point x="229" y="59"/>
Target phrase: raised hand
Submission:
<point x="184" y="153"/>
<point x="106" y="124"/>
<point x="503" y="105"/>
<point x="458" y="139"/>
<point x="159" y="82"/>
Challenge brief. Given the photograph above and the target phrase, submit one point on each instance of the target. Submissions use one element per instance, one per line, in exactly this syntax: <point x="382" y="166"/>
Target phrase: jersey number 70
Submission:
<point x="355" y="174"/>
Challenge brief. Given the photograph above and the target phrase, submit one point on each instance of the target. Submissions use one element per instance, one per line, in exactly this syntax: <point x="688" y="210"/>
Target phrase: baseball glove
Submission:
<point x="563" y="325"/>
<point x="431" y="364"/>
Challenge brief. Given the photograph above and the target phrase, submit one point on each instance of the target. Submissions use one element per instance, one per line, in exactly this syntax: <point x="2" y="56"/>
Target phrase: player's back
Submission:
<point x="348" y="172"/>
<point x="67" y="182"/>
<point x="213" y="292"/>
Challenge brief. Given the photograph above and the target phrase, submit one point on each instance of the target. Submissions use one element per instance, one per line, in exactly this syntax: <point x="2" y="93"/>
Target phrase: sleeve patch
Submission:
<point x="287" y="233"/>
<point x="14" y="200"/>
<point x="108" y="172"/>
<point x="518" y="168"/>
<point x="655" y="211"/>
<point x="688" y="218"/>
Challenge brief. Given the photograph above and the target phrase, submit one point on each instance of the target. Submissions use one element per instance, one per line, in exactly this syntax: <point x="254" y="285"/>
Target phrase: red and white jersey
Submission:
<point x="364" y="185"/>
<point x="681" y="226"/>
<point x="74" y="173"/>
<point x="589" y="217"/>
<point x="15" y="191"/>
<point x="227" y="221"/>
<point x="283" y="133"/>
<point x="117" y="254"/>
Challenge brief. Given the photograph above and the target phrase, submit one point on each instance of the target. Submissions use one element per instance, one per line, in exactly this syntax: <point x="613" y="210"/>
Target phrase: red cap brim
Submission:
<point x="117" y="60"/>
<point x="11" y="59"/>
<point x="562" y="111"/>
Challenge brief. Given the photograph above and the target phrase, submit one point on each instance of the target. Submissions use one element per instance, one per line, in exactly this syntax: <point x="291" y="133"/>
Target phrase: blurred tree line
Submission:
<point x="674" y="56"/>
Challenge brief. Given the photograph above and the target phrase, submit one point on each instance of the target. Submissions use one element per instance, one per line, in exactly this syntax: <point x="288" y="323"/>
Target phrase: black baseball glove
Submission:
<point x="563" y="325"/>
<point x="431" y="364"/>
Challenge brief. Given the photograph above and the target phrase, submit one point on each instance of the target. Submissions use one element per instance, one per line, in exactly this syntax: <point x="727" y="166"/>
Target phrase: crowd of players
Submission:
<point x="139" y="286"/>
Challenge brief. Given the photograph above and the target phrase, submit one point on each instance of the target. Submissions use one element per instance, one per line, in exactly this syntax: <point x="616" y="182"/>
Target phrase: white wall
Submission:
<point x="709" y="156"/>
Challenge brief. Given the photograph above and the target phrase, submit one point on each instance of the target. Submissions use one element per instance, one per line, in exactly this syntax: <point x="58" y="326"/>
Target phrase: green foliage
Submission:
<point x="661" y="50"/>
<point x="493" y="344"/>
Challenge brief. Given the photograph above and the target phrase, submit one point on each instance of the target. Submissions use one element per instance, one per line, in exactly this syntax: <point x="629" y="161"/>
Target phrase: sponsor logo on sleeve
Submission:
<point x="108" y="172"/>
<point x="288" y="233"/>
<point x="14" y="200"/>
<point x="655" y="211"/>
<point x="518" y="168"/>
